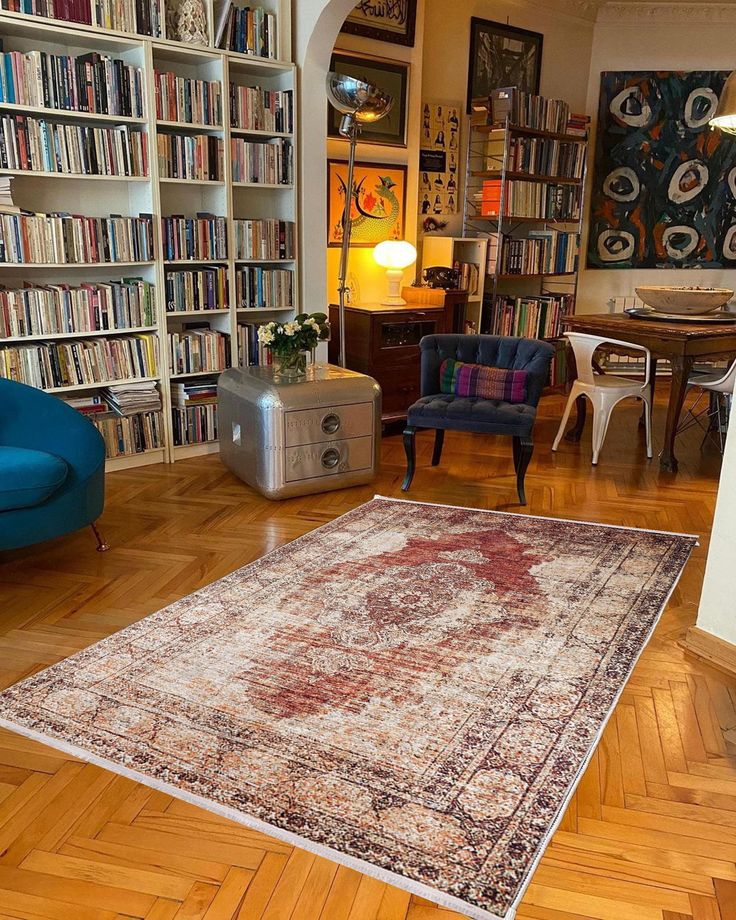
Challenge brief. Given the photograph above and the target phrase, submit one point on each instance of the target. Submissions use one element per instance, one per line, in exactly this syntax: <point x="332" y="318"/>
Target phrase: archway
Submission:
<point x="317" y="24"/>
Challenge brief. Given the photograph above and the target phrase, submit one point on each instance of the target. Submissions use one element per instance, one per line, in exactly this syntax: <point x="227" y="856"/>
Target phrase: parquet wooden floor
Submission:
<point x="650" y="835"/>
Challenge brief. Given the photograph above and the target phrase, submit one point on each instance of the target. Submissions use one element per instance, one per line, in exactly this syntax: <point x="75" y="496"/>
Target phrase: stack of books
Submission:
<point x="197" y="289"/>
<point x="186" y="156"/>
<point x="269" y="163"/>
<point x="86" y="83"/>
<point x="203" y="237"/>
<point x="257" y="109"/>
<point x="47" y="146"/>
<point x="264" y="288"/>
<point x="195" y="350"/>
<point x="544" y="252"/>
<point x="268" y="239"/>
<point x="578" y="124"/>
<point x="71" y="10"/>
<point x="71" y="239"/>
<point x="250" y="351"/>
<point x="82" y="361"/>
<point x="6" y="196"/>
<point x="196" y="102"/>
<point x="130" y="398"/>
<point x="541" y="201"/>
<point x="194" y="412"/>
<point x="62" y="308"/>
<point x="248" y="30"/>
<point x="538" y="316"/>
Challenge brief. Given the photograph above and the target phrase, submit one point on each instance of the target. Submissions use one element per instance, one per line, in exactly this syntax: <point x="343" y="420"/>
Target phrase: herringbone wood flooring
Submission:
<point x="650" y="834"/>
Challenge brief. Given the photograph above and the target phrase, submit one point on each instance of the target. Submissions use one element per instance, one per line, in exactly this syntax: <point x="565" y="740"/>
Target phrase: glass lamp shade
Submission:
<point x="725" y="117"/>
<point x="394" y="256"/>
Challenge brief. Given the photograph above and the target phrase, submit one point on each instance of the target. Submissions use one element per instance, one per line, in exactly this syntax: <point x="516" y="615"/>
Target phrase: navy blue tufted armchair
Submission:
<point x="443" y="411"/>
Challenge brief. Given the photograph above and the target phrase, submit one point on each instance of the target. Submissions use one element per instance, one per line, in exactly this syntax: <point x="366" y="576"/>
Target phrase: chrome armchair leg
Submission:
<point x="102" y="545"/>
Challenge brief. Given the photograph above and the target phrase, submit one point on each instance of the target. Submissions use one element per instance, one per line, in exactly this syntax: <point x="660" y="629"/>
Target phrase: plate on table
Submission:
<point x="647" y="313"/>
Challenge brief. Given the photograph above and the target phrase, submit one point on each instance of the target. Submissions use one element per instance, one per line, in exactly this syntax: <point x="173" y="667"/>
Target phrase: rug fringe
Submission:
<point x="539" y="517"/>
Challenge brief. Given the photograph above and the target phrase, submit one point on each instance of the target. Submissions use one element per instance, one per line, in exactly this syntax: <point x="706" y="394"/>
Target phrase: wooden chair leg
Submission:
<point x="102" y="545"/>
<point x="411" y="456"/>
<point x="523" y="450"/>
<point x="439" y="440"/>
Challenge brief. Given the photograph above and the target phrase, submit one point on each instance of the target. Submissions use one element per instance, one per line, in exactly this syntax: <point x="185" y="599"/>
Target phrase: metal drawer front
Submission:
<point x="310" y="426"/>
<point x="329" y="458"/>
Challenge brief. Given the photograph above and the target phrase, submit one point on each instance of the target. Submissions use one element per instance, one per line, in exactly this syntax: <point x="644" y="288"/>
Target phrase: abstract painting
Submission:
<point x="664" y="190"/>
<point x="378" y="202"/>
<point x="502" y="55"/>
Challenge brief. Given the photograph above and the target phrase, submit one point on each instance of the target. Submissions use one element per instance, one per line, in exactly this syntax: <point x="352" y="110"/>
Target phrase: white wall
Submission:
<point x="651" y="41"/>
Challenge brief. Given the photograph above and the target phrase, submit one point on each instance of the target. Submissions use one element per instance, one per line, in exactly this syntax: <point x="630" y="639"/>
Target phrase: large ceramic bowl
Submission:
<point x="686" y="301"/>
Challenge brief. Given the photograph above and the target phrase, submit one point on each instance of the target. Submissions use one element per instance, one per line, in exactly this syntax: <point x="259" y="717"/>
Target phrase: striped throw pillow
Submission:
<point x="462" y="379"/>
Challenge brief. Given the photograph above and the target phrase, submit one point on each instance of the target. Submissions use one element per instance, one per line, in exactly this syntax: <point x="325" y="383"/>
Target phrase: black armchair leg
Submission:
<point x="439" y="440"/>
<point x="102" y="545"/>
<point x="523" y="450"/>
<point x="411" y="456"/>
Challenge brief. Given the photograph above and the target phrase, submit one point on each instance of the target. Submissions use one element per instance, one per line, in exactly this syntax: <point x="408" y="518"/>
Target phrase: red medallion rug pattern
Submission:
<point x="413" y="689"/>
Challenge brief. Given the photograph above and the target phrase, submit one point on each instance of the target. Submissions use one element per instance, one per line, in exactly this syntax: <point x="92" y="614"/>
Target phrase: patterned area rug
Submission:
<point x="413" y="690"/>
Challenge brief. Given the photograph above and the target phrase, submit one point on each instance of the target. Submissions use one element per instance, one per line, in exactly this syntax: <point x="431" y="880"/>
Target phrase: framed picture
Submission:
<point x="388" y="22"/>
<point x="390" y="76"/>
<point x="378" y="202"/>
<point x="502" y="55"/>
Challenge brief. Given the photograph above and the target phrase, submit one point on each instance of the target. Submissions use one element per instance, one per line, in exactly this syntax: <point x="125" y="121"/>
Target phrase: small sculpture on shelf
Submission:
<point x="191" y="22"/>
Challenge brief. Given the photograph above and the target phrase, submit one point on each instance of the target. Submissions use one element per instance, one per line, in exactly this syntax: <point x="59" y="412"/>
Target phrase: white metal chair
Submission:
<point x="712" y="418"/>
<point x="605" y="390"/>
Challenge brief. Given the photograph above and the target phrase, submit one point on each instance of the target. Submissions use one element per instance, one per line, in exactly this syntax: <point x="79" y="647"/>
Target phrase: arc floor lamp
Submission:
<point x="360" y="103"/>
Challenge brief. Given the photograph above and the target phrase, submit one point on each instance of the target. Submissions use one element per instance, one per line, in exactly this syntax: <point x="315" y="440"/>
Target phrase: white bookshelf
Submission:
<point x="155" y="194"/>
<point x="446" y="250"/>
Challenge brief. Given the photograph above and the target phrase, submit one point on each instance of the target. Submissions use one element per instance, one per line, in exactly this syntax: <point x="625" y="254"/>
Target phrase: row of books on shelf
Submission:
<point x="271" y="163"/>
<point x="127" y="416"/>
<point x="71" y="239"/>
<point x="251" y="353"/>
<point x="543" y="252"/>
<point x="194" y="424"/>
<point x="73" y="10"/>
<point x="142" y="16"/>
<point x="511" y="106"/>
<point x="55" y="147"/>
<point x="266" y="238"/>
<point x="250" y="30"/>
<point x="558" y="372"/>
<point x="200" y="237"/>
<point x="82" y="361"/>
<point x="542" y="201"/>
<point x="93" y="82"/>
<point x="538" y="316"/>
<point x="55" y="309"/>
<point x="536" y="155"/>
<point x="469" y="276"/>
<point x="194" y="350"/>
<point x="188" y="100"/>
<point x="256" y="109"/>
<point x="197" y="289"/>
<point x="264" y="288"/>
<point x="186" y="156"/>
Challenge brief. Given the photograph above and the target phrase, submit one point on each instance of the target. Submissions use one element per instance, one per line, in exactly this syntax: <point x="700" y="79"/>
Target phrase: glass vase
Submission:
<point x="291" y="365"/>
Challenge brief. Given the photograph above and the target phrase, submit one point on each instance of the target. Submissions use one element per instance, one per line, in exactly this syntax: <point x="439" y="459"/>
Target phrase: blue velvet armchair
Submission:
<point x="445" y="412"/>
<point x="52" y="468"/>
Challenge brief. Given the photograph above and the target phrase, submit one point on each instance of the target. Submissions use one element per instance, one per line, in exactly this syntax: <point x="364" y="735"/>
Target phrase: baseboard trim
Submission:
<point x="715" y="651"/>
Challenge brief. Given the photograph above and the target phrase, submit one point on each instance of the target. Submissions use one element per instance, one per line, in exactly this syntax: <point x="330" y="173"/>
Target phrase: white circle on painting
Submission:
<point x="631" y="107"/>
<point x="700" y="106"/>
<point x="622" y="184"/>
<point x="731" y="178"/>
<point x="688" y="180"/>
<point x="679" y="241"/>
<point x="615" y="245"/>
<point x="729" y="244"/>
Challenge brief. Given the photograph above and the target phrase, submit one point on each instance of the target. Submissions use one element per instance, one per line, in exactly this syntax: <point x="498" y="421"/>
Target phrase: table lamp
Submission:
<point x="360" y="103"/>
<point x="725" y="117"/>
<point x="394" y="256"/>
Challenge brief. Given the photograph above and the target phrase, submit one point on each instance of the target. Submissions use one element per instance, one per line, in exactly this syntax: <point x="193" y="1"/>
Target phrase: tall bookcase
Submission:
<point x="155" y="194"/>
<point x="532" y="220"/>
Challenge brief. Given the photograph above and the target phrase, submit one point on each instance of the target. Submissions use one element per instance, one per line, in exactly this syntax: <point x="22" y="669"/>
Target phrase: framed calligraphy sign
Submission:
<point x="386" y="20"/>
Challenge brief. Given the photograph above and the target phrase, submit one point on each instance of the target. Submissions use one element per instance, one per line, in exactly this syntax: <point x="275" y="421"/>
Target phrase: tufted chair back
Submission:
<point x="530" y="355"/>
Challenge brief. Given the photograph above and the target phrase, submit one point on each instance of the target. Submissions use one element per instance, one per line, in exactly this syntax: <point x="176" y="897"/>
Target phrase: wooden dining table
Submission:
<point x="681" y="343"/>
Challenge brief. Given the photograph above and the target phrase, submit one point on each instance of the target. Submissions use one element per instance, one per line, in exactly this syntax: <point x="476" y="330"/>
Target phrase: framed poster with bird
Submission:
<point x="378" y="202"/>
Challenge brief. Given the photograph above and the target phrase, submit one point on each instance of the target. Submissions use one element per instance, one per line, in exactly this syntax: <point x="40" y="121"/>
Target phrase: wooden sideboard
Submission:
<point x="383" y="341"/>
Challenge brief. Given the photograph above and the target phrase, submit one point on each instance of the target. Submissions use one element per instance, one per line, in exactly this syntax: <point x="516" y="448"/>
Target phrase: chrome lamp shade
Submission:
<point x="725" y="117"/>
